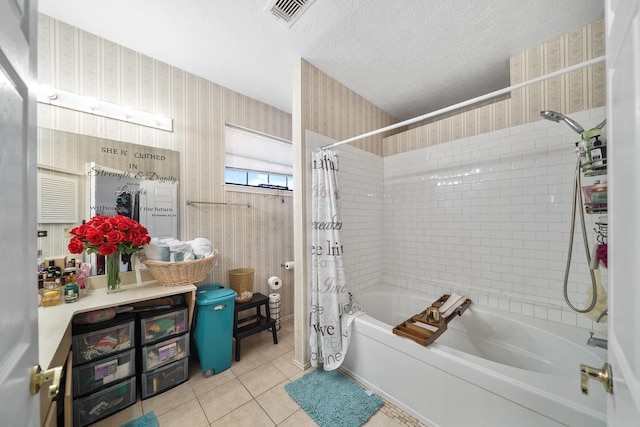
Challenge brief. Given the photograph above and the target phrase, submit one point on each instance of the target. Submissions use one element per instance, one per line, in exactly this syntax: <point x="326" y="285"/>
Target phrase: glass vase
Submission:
<point x="113" y="272"/>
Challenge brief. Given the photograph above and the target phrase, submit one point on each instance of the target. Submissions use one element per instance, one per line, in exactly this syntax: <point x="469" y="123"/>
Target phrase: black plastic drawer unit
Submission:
<point x="165" y="325"/>
<point x="164" y="378"/>
<point x="94" y="375"/>
<point x="99" y="340"/>
<point x="103" y="403"/>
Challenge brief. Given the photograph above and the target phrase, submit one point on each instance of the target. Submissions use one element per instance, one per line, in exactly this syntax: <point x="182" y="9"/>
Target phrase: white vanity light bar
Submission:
<point x="90" y="105"/>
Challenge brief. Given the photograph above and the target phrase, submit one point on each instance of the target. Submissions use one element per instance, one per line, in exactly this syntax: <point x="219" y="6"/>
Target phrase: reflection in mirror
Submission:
<point x="81" y="176"/>
<point x="145" y="196"/>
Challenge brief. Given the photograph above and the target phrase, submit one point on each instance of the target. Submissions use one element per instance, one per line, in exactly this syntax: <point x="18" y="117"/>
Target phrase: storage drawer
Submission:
<point x="165" y="325"/>
<point x="107" y="340"/>
<point x="92" y="376"/>
<point x="164" y="352"/>
<point x="161" y="379"/>
<point x="103" y="403"/>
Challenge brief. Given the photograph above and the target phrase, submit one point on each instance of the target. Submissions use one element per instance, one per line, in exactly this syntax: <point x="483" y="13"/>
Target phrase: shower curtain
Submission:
<point x="332" y="307"/>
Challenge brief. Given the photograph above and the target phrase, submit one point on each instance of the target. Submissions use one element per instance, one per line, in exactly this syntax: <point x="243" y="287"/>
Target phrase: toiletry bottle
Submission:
<point x="41" y="270"/>
<point x="588" y="139"/>
<point x="599" y="195"/>
<point x="599" y="152"/>
<point x="41" y="266"/>
<point x="587" y="164"/>
<point x="52" y="294"/>
<point x="71" y="293"/>
<point x="49" y="278"/>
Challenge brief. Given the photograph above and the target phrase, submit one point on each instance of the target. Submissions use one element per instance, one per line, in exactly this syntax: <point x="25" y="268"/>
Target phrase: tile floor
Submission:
<point x="250" y="393"/>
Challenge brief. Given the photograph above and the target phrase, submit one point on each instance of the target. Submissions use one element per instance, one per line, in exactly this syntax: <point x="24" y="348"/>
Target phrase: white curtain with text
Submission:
<point x="332" y="308"/>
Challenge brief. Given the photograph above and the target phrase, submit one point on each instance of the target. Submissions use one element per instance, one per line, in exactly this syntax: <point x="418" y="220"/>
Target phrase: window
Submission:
<point x="257" y="160"/>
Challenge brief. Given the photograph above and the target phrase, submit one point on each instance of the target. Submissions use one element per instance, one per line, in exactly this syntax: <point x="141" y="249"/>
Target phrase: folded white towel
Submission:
<point x="153" y="250"/>
<point x="201" y="247"/>
<point x="451" y="304"/>
<point x="193" y="249"/>
<point x="180" y="247"/>
<point x="425" y="326"/>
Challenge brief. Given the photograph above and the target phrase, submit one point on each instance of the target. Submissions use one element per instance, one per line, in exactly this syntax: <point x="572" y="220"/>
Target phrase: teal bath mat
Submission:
<point x="147" y="420"/>
<point x="332" y="399"/>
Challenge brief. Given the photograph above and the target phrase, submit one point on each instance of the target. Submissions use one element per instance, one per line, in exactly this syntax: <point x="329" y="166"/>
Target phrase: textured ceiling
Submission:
<point x="408" y="57"/>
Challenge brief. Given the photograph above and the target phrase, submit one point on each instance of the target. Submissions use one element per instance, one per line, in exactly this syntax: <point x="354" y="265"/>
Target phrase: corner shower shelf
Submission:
<point x="594" y="208"/>
<point x="412" y="328"/>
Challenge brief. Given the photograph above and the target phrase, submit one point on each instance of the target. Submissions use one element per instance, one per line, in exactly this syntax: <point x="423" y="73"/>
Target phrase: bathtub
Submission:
<point x="490" y="368"/>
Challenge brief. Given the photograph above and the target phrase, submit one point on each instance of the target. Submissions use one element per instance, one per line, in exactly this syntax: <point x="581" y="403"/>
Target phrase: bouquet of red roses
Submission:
<point x="108" y="235"/>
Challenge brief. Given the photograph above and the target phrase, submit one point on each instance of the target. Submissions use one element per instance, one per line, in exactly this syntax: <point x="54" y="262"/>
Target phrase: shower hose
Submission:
<point x="577" y="201"/>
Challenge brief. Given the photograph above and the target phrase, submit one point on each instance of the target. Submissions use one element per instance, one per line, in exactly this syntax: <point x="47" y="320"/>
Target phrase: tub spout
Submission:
<point x="597" y="342"/>
<point x="604" y="313"/>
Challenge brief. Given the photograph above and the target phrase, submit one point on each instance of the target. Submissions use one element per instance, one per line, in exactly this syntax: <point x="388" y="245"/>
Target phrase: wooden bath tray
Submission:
<point x="425" y="335"/>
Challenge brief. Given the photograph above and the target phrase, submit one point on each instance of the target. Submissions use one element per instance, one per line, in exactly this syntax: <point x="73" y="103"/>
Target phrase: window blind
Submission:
<point x="253" y="151"/>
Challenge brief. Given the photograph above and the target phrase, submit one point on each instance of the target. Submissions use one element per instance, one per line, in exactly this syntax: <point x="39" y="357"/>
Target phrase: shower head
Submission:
<point x="556" y="117"/>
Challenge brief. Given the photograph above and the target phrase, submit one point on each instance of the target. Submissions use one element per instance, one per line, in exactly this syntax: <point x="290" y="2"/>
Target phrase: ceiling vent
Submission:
<point x="288" y="11"/>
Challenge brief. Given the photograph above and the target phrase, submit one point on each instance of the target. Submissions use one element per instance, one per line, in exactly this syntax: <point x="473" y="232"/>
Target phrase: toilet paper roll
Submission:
<point x="274" y="282"/>
<point x="288" y="265"/>
<point x="273" y="298"/>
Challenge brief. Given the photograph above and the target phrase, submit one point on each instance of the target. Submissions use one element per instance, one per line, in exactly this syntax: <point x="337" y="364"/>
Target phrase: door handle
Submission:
<point x="39" y="377"/>
<point x="603" y="375"/>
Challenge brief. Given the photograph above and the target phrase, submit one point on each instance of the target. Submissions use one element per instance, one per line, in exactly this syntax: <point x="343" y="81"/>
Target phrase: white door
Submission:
<point x="623" y="127"/>
<point x="159" y="208"/>
<point x="18" y="286"/>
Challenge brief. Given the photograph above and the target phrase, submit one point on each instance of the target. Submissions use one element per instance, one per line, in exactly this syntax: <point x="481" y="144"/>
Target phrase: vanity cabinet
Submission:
<point x="104" y="368"/>
<point x="164" y="350"/>
<point x="57" y="335"/>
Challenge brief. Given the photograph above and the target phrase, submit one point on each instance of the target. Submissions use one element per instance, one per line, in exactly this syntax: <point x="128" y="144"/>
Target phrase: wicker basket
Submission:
<point x="181" y="273"/>
<point x="241" y="280"/>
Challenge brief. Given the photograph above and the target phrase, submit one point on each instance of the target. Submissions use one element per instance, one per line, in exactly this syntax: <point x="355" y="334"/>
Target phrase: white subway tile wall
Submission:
<point x="487" y="216"/>
<point x="361" y="201"/>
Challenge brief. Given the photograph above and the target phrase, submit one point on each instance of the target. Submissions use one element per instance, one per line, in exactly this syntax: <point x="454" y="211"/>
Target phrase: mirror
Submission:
<point x="80" y="176"/>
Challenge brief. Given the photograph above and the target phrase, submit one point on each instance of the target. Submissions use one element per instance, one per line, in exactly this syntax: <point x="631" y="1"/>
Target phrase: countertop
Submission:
<point x="53" y="322"/>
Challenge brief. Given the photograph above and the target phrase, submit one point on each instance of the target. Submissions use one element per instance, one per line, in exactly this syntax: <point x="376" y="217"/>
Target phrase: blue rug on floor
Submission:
<point x="332" y="399"/>
<point x="147" y="420"/>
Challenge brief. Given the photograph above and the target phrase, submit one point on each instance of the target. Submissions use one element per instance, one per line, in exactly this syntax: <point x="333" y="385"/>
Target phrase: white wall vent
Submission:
<point x="57" y="199"/>
<point x="288" y="10"/>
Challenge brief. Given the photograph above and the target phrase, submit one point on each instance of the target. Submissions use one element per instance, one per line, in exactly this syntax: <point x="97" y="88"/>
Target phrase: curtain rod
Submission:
<point x="467" y="103"/>
<point x="192" y="202"/>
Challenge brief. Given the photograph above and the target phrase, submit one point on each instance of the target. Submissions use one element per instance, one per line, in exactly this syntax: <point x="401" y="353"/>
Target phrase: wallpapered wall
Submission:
<point x="579" y="90"/>
<point x="333" y="110"/>
<point x="260" y="237"/>
<point x="324" y="106"/>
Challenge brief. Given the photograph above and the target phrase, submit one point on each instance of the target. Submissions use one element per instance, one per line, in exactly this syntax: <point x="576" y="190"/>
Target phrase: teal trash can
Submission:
<point x="213" y="330"/>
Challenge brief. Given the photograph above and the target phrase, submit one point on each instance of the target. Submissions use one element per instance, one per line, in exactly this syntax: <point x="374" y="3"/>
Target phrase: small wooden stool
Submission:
<point x="259" y="323"/>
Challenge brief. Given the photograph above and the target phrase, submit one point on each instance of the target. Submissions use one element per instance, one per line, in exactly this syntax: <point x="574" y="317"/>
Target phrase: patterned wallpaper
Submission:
<point x="260" y="237"/>
<point x="579" y="90"/>
<point x="323" y="106"/>
<point x="333" y="110"/>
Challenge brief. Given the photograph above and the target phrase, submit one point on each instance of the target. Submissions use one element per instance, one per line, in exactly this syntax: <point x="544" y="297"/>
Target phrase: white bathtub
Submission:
<point x="490" y="368"/>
